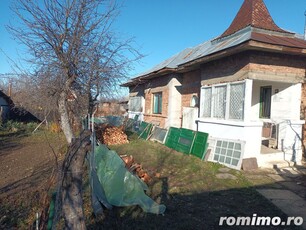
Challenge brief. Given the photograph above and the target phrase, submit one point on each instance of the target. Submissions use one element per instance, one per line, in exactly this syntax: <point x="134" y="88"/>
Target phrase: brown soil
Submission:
<point x="26" y="163"/>
<point x="194" y="197"/>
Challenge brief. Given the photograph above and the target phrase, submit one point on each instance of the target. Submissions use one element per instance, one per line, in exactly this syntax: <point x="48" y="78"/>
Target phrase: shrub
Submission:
<point x="15" y="126"/>
<point x="55" y="127"/>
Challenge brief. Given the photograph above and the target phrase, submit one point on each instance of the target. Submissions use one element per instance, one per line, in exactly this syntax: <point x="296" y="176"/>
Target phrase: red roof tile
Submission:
<point x="252" y="13"/>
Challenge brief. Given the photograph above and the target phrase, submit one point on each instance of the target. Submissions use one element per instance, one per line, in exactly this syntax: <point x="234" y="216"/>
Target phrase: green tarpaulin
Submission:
<point x="121" y="187"/>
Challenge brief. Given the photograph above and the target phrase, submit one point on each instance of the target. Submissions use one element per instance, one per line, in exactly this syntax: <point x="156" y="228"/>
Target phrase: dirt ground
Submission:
<point x="26" y="163"/>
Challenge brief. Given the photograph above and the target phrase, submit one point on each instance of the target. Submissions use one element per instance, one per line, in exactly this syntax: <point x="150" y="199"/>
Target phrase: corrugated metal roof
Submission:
<point x="276" y="40"/>
<point x="213" y="46"/>
<point x="169" y="63"/>
<point x="199" y="51"/>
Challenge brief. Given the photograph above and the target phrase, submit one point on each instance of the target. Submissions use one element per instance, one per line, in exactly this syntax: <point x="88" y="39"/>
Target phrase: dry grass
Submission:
<point x="195" y="198"/>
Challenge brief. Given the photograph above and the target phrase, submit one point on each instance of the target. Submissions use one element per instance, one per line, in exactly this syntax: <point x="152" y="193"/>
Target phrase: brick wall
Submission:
<point x="110" y="108"/>
<point x="191" y="85"/>
<point x="239" y="64"/>
<point x="277" y="63"/>
<point x="156" y="85"/>
<point x="234" y="65"/>
<point x="225" y="67"/>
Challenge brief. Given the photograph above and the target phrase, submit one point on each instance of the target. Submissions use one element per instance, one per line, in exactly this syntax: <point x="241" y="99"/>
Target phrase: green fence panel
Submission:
<point x="129" y="124"/>
<point x="172" y="137"/>
<point x="142" y="126"/>
<point x="185" y="141"/>
<point x="200" y="145"/>
<point x="144" y="130"/>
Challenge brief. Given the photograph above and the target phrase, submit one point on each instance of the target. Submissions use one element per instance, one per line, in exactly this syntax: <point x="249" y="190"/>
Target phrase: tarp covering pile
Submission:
<point x="113" y="184"/>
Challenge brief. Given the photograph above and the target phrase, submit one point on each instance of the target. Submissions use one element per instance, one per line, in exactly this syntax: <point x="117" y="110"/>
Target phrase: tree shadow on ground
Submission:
<point x="20" y="199"/>
<point x="201" y="210"/>
<point x="10" y="141"/>
<point x="190" y="208"/>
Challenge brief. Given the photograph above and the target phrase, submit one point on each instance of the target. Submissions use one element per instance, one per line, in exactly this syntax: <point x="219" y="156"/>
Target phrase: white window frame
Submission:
<point x="157" y="100"/>
<point x="132" y="105"/>
<point x="227" y="100"/>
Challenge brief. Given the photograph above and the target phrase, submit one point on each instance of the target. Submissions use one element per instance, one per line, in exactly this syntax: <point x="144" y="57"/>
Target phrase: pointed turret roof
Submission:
<point x="253" y="13"/>
<point x="255" y="29"/>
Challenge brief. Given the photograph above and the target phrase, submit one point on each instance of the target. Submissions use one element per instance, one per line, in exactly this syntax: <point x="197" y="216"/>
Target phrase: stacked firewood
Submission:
<point x="136" y="168"/>
<point x="111" y="135"/>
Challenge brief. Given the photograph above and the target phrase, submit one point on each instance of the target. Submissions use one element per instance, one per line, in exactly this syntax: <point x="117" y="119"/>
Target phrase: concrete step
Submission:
<point x="274" y="158"/>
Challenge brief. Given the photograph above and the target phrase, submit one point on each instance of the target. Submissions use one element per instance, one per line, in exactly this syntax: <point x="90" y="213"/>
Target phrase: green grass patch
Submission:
<point x="195" y="198"/>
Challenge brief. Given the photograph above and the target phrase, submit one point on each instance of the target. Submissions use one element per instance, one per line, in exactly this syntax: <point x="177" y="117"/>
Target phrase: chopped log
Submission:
<point x="136" y="168"/>
<point x="111" y="135"/>
<point x="128" y="160"/>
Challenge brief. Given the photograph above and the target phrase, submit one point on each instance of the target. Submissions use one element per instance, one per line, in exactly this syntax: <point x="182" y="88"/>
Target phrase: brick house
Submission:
<point x="247" y="84"/>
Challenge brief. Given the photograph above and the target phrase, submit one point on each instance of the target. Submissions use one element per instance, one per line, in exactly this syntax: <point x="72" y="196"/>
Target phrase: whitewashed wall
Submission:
<point x="285" y="103"/>
<point x="285" y="111"/>
<point x="250" y="132"/>
<point x="174" y="104"/>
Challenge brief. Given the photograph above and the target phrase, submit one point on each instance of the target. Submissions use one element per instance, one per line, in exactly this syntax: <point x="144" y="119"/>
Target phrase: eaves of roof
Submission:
<point x="218" y="48"/>
<point x="255" y="40"/>
<point x="7" y="98"/>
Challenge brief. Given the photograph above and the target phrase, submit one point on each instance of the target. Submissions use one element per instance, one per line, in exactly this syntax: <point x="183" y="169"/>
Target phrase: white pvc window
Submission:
<point x="223" y="101"/>
<point x="206" y="103"/>
<point x="219" y="101"/>
<point x="236" y="106"/>
<point x="135" y="104"/>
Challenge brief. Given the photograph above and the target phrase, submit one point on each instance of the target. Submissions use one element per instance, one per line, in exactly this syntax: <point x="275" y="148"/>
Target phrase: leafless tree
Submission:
<point x="73" y="49"/>
<point x="74" y="54"/>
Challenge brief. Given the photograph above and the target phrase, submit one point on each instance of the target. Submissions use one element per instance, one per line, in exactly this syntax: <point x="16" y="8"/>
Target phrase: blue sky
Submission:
<point x="162" y="28"/>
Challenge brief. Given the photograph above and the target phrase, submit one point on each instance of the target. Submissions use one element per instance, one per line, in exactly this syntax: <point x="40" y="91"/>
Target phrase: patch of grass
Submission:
<point x="195" y="198"/>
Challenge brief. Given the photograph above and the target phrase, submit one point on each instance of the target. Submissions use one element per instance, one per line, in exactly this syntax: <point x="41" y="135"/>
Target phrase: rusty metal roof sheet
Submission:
<point x="293" y="42"/>
<point x="213" y="46"/>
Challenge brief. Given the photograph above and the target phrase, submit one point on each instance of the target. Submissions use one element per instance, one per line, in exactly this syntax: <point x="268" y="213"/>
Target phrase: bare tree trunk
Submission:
<point x="63" y="111"/>
<point x="71" y="185"/>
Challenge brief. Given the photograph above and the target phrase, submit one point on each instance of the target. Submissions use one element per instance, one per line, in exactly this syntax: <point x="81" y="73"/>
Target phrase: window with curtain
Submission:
<point x="236" y="106"/>
<point x="206" y="103"/>
<point x="157" y="103"/>
<point x="135" y="104"/>
<point x="219" y="101"/>
<point x="224" y="101"/>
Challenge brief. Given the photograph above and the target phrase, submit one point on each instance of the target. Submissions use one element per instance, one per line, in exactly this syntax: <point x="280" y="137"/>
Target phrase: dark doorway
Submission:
<point x="265" y="101"/>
